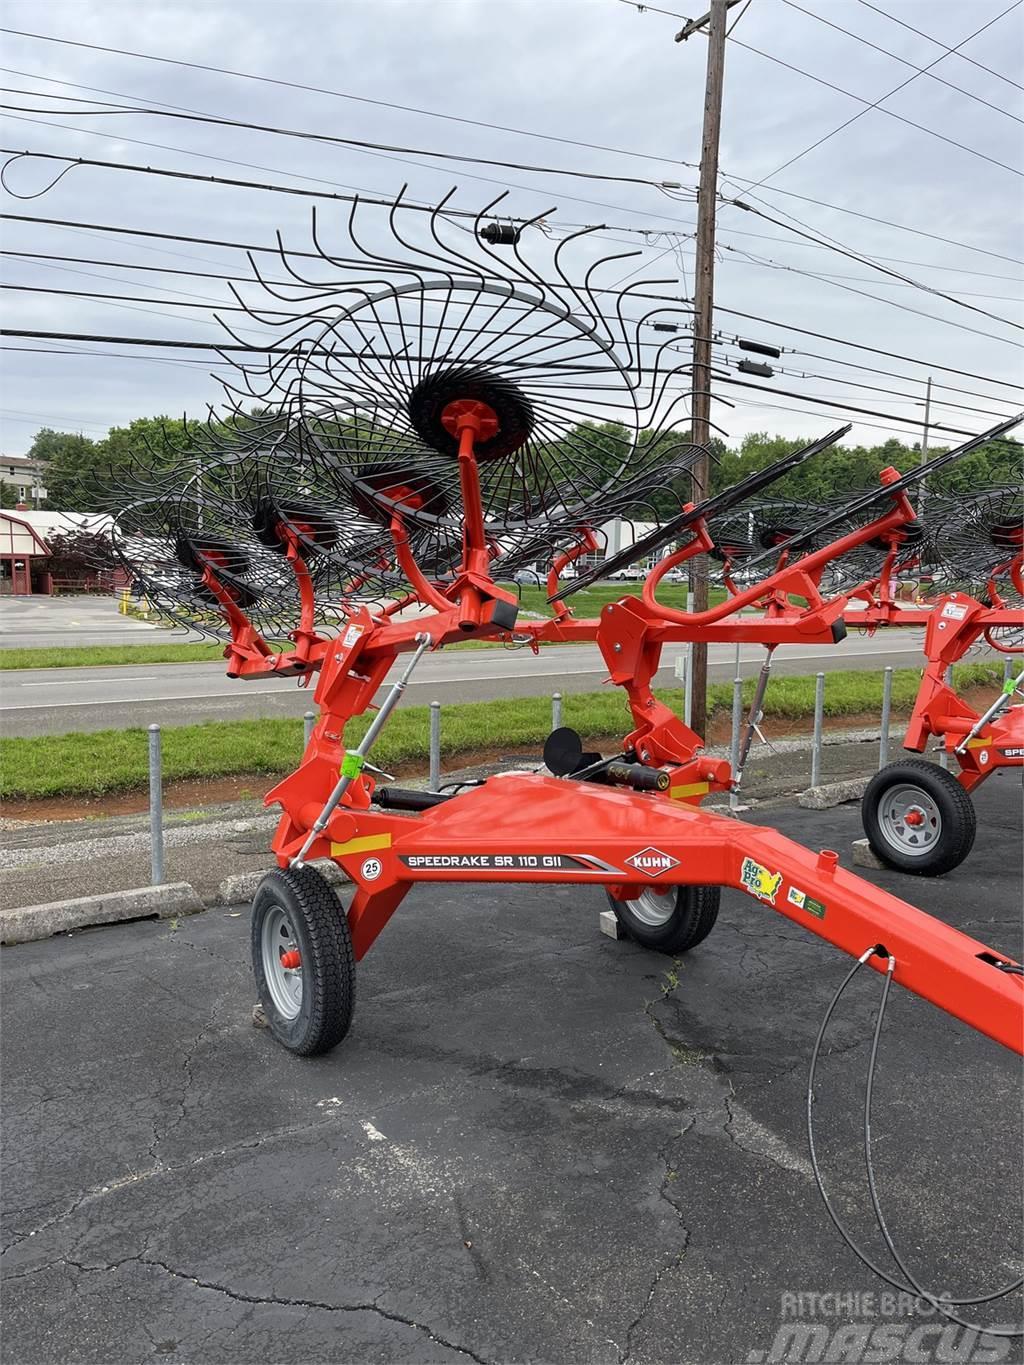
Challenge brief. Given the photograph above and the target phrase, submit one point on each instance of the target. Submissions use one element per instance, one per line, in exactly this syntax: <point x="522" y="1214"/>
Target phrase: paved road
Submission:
<point x="53" y="622"/>
<point x="536" y="1144"/>
<point x="54" y="701"/>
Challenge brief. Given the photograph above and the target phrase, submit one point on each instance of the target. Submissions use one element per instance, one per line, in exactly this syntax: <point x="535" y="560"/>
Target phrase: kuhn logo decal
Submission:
<point x="652" y="862"/>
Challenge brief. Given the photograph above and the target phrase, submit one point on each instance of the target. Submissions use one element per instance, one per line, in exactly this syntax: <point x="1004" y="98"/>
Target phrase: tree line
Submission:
<point x="79" y="472"/>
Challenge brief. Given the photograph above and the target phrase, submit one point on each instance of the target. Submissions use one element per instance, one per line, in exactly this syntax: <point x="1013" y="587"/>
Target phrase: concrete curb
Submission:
<point x="865" y="856"/>
<point x="831" y="794"/>
<point x="28" y="923"/>
<point x="235" y="890"/>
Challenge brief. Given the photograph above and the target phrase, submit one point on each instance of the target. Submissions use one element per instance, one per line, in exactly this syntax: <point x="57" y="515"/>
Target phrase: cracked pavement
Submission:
<point x="536" y="1144"/>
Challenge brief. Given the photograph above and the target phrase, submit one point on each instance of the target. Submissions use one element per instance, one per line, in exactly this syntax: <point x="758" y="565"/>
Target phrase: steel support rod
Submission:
<point x="353" y="761"/>
<point x="734" y="739"/>
<point x="756" y="711"/>
<point x="1010" y="686"/>
<point x="156" y="808"/>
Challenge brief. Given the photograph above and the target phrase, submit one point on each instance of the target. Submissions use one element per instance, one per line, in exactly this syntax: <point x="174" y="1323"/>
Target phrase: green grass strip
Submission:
<point x="100" y="656"/>
<point x="116" y="760"/>
<point x="587" y="603"/>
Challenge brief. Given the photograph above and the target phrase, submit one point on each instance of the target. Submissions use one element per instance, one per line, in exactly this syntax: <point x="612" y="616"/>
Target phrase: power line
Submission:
<point x="820" y="80"/>
<point x="14" y="155"/>
<point x="833" y="403"/>
<point x="735" y="232"/>
<point x="827" y="244"/>
<point x="304" y="135"/>
<point x="181" y="112"/>
<point x="365" y="196"/>
<point x="340" y="94"/>
<point x="921" y="70"/>
<point x="206" y="304"/>
<point x="311" y="255"/>
<point x="938" y="43"/>
<point x="885" y="270"/>
<point x="874" y="350"/>
<point x="738" y="256"/>
<point x="808" y="412"/>
<point x="244" y="75"/>
<point x="172" y="344"/>
<point x="47" y="260"/>
<point x="876" y="104"/>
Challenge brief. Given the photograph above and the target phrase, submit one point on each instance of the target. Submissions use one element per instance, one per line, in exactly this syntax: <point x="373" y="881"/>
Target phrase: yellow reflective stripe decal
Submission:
<point x="978" y="743"/>
<point x="693" y="789"/>
<point x="366" y="844"/>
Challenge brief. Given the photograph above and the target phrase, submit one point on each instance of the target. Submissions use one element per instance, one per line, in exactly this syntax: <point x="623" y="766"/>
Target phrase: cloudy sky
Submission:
<point x="597" y="72"/>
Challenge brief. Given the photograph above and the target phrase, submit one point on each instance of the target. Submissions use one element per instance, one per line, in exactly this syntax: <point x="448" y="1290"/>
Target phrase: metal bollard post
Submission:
<point x="556" y="710"/>
<point x="308" y="721"/>
<point x="156" y="809"/>
<point x="883" y="743"/>
<point x="435" y="747"/>
<point x="819" y="716"/>
<point x="688" y="696"/>
<point x="1007" y="670"/>
<point x="943" y="756"/>
<point x="734" y="742"/>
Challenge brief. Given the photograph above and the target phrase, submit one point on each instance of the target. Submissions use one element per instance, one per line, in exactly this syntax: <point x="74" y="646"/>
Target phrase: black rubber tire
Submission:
<point x="320" y="928"/>
<point x="956" y="810"/>
<point x="693" y="918"/>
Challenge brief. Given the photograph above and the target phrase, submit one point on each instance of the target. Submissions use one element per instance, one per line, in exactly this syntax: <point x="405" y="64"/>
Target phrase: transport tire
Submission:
<point x="302" y="960"/>
<point x="670" y="920"/>
<point x="918" y="818"/>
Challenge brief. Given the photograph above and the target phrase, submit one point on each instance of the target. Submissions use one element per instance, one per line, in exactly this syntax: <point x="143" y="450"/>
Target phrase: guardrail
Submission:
<point x="434" y="749"/>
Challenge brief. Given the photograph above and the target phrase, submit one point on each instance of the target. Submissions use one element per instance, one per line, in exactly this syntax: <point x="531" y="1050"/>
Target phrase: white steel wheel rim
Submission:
<point x="284" y="983"/>
<point x="918" y="835"/>
<point x="654" y="907"/>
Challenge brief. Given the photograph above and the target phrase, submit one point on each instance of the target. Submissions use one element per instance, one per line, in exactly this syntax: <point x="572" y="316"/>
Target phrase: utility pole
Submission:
<point x="703" y="321"/>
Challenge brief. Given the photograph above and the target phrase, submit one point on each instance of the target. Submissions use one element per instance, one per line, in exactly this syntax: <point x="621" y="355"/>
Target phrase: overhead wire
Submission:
<point x="221" y="348"/>
<point x="191" y="114"/>
<point x="15" y="155"/>
<point x="831" y="85"/>
<point x="244" y="75"/>
<point x="357" y="144"/>
<point x="339" y="94"/>
<point x="990" y="71"/>
<point x="921" y="70"/>
<point x="206" y="304"/>
<point x="877" y="103"/>
<point x="153" y="234"/>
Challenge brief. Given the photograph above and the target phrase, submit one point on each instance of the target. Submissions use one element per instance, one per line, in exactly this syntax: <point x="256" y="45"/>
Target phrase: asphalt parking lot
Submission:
<point x="537" y="1144"/>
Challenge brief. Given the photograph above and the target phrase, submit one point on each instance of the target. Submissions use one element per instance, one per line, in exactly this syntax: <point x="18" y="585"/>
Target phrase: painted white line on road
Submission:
<point x="144" y="701"/>
<point x="425" y="682"/>
<point x="78" y="682"/>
